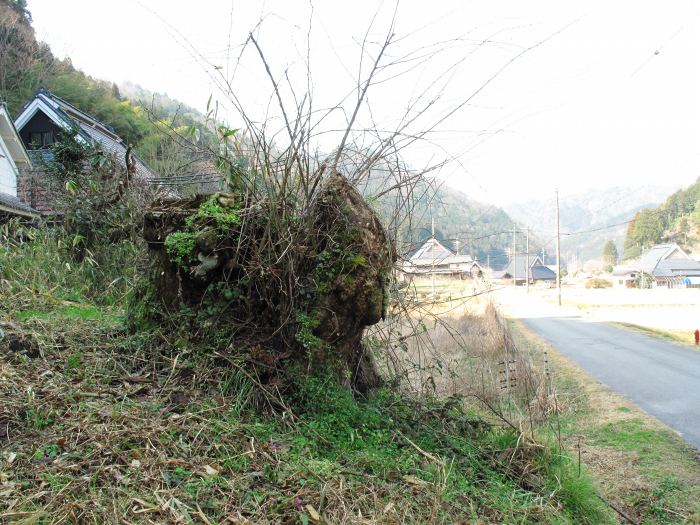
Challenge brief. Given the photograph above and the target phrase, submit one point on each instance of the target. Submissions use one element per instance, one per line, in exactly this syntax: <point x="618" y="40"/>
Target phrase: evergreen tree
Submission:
<point x="610" y="255"/>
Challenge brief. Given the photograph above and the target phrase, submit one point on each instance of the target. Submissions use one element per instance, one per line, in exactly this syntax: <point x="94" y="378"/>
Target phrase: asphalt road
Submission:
<point x="662" y="378"/>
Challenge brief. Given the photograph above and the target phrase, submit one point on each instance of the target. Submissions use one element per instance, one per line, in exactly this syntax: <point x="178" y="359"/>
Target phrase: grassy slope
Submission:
<point x="94" y="434"/>
<point x="645" y="469"/>
<point x="101" y="426"/>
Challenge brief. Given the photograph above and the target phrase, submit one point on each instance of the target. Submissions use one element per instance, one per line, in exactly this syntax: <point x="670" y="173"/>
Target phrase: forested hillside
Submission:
<point x="676" y="220"/>
<point x="474" y="228"/>
<point x="462" y="224"/>
<point x="144" y="119"/>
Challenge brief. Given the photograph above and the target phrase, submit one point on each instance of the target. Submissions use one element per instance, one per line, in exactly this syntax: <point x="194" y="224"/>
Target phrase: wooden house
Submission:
<point x="13" y="157"/>
<point x="434" y="258"/>
<point x="41" y="123"/>
<point x="663" y="266"/>
<point x="537" y="273"/>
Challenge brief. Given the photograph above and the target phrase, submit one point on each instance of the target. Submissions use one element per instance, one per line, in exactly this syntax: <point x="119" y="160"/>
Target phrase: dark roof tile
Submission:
<point x="15" y="205"/>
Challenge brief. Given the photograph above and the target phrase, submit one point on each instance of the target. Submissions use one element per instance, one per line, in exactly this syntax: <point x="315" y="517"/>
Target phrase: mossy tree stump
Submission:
<point x="301" y="286"/>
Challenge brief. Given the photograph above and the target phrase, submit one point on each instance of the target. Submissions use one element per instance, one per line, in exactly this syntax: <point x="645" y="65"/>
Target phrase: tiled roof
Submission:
<point x="677" y="267"/>
<point x="542" y="273"/>
<point x="93" y="131"/>
<point x="13" y="204"/>
<point x="432" y="252"/>
<point x="521" y="263"/>
<point x="652" y="257"/>
<point x="538" y="271"/>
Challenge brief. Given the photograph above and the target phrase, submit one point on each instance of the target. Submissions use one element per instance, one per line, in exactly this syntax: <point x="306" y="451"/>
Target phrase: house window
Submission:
<point x="41" y="140"/>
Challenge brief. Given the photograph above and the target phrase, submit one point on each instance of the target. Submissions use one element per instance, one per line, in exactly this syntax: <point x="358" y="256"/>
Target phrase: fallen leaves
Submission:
<point x="313" y="514"/>
<point x="413" y="480"/>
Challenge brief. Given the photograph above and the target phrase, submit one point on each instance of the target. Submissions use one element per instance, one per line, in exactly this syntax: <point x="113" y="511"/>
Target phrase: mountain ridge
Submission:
<point x="588" y="219"/>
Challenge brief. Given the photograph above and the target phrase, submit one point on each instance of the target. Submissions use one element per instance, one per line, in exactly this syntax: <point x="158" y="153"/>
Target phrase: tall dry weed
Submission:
<point x="471" y="355"/>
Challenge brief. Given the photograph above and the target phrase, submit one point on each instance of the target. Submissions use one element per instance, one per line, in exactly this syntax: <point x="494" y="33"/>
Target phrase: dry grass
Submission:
<point x="466" y="350"/>
<point x="99" y="426"/>
<point x="685" y="337"/>
<point x="95" y="433"/>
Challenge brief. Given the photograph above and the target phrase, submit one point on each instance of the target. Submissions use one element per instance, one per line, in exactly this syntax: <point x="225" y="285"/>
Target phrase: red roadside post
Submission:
<point x="697" y="337"/>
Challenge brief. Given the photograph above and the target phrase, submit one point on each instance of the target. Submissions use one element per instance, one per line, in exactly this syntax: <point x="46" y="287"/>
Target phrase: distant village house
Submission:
<point x="435" y="259"/>
<point x="663" y="265"/>
<point x="537" y="273"/>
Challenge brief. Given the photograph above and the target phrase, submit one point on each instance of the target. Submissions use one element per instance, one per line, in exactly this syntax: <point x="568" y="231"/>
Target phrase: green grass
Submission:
<point x="38" y="275"/>
<point x="85" y="313"/>
<point x="630" y="435"/>
<point x="658" y="458"/>
<point x="686" y="337"/>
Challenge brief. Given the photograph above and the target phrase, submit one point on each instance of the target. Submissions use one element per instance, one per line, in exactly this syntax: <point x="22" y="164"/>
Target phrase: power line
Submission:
<point x="600" y="229"/>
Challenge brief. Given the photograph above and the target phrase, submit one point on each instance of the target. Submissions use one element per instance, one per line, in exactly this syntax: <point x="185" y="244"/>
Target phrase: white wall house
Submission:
<point x="13" y="157"/>
<point x="434" y="258"/>
<point x="663" y="266"/>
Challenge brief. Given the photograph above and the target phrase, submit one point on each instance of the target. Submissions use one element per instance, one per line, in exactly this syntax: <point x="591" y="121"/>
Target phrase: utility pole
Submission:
<point x="558" y="254"/>
<point x="544" y="258"/>
<point x="515" y="269"/>
<point x="432" y="249"/>
<point x="527" y="260"/>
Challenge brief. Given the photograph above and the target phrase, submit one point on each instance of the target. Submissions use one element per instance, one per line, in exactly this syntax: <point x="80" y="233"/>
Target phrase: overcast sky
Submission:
<point x="610" y="96"/>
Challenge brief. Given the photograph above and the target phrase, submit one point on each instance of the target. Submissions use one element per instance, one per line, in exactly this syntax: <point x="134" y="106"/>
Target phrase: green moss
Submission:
<point x="211" y="210"/>
<point x="208" y="225"/>
<point x="180" y="246"/>
<point x="305" y="332"/>
<point x="335" y="262"/>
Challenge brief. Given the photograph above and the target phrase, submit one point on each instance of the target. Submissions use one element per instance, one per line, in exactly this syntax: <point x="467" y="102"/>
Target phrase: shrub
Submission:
<point x="597" y="282"/>
<point x="91" y="194"/>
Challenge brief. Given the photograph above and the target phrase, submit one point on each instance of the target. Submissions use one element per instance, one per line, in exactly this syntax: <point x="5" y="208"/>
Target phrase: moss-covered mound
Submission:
<point x="297" y="285"/>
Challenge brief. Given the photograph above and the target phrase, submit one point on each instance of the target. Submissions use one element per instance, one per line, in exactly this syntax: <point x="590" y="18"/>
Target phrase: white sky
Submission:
<point x="593" y="106"/>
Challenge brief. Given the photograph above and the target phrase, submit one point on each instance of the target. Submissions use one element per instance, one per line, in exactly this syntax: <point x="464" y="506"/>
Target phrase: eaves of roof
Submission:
<point x="11" y="204"/>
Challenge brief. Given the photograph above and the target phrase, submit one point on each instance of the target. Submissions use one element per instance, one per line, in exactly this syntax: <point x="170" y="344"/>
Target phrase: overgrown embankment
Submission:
<point x="102" y="425"/>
